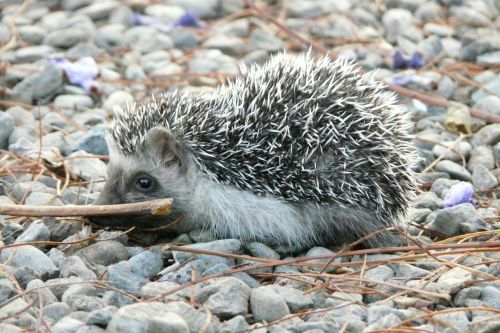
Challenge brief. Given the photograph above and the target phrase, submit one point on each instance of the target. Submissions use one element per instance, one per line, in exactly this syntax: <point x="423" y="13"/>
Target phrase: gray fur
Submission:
<point x="296" y="153"/>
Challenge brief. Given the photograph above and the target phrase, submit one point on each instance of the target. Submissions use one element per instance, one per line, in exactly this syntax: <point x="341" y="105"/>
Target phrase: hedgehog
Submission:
<point x="297" y="153"/>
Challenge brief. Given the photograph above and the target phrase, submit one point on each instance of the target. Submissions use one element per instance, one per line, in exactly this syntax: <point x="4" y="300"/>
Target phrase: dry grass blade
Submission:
<point x="159" y="207"/>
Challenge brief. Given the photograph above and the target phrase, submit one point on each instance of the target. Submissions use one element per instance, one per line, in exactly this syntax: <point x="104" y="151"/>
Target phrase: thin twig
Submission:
<point x="159" y="207"/>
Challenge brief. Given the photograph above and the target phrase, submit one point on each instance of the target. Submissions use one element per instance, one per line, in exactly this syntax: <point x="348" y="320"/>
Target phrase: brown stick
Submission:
<point x="159" y="207"/>
<point x="410" y="93"/>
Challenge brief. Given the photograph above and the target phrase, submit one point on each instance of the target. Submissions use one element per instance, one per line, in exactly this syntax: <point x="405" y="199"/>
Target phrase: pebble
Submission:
<point x="267" y="305"/>
<point x="36" y="231"/>
<point x="104" y="253"/>
<point x="73" y="101"/>
<point x="454" y="170"/>
<point x="56" y="311"/>
<point x="481" y="155"/>
<point x="225" y="297"/>
<point x="82" y="164"/>
<point x="93" y="142"/>
<point x="74" y="266"/>
<point x="31" y="257"/>
<point x="483" y="179"/>
<point x="6" y="129"/>
<point x="448" y="221"/>
<point x="453" y="280"/>
<point x="37" y="86"/>
<point x="146" y="318"/>
<point x="118" y="99"/>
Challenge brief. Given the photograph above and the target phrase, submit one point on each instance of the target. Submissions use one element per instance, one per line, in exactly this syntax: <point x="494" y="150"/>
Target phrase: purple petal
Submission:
<point x="398" y="60"/>
<point x="138" y="19"/>
<point x="188" y="20"/>
<point x="416" y="61"/>
<point x="81" y="72"/>
<point x="458" y="194"/>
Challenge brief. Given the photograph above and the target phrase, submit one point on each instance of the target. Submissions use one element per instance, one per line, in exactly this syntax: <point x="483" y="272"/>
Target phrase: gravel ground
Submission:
<point x="66" y="65"/>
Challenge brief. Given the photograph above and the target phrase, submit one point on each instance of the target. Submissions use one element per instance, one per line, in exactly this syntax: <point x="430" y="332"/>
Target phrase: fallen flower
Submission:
<point x="81" y="72"/>
<point x="400" y="61"/>
<point x="458" y="194"/>
<point x="188" y="20"/>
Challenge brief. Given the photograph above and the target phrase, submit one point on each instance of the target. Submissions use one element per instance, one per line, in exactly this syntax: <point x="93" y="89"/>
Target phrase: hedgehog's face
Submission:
<point x="157" y="169"/>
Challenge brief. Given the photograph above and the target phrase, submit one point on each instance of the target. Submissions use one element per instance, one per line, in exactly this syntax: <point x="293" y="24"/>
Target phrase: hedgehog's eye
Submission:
<point x="144" y="182"/>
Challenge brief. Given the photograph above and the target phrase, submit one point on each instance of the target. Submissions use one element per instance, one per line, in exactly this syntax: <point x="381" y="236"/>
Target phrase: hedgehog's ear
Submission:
<point x="160" y="142"/>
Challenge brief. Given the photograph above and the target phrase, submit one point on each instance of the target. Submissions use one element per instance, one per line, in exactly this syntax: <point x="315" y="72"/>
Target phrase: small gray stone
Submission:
<point x="32" y="34"/>
<point x="118" y="99"/>
<point x="453" y="280"/>
<point x="454" y="170"/>
<point x="93" y="141"/>
<point x="84" y="49"/>
<point x="146" y="318"/>
<point x="483" y="179"/>
<point x="489" y="104"/>
<point x="488" y="135"/>
<point x="294" y="298"/>
<point x="37" y="86"/>
<point x="36" y="231"/>
<point x="44" y="294"/>
<point x="76" y="291"/>
<point x="32" y="53"/>
<point x="56" y="311"/>
<point x="448" y="221"/>
<point x="225" y="297"/>
<point x="60" y="230"/>
<point x="410" y="272"/>
<point x="86" y="167"/>
<point x="98" y="10"/>
<point x="319" y="251"/>
<point x="235" y="324"/>
<point x="232" y="46"/>
<point x="101" y="317"/>
<point x="120" y="275"/>
<point x="104" y="253"/>
<point x="489" y="59"/>
<point x="185" y="39"/>
<point x="146" y="264"/>
<point x="6" y="129"/>
<point x="225" y="245"/>
<point x="481" y="155"/>
<point x="379" y="273"/>
<point x="260" y="39"/>
<point x="114" y="298"/>
<point x="196" y="319"/>
<point x="31" y="257"/>
<point x="87" y="303"/>
<point x="154" y="289"/>
<point x="66" y="38"/>
<point x="60" y="285"/>
<point x="457" y="320"/>
<point x="39" y="198"/>
<point x="7" y="288"/>
<point x="430" y="47"/>
<point x="74" y="266"/>
<point x="464" y="149"/>
<point x="73" y="101"/>
<point x="395" y="20"/>
<point x="205" y="9"/>
<point x="147" y="39"/>
<point x="466" y="294"/>
<point x="267" y="305"/>
<point x="67" y="325"/>
<point x="429" y="200"/>
<point x="491" y="296"/>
